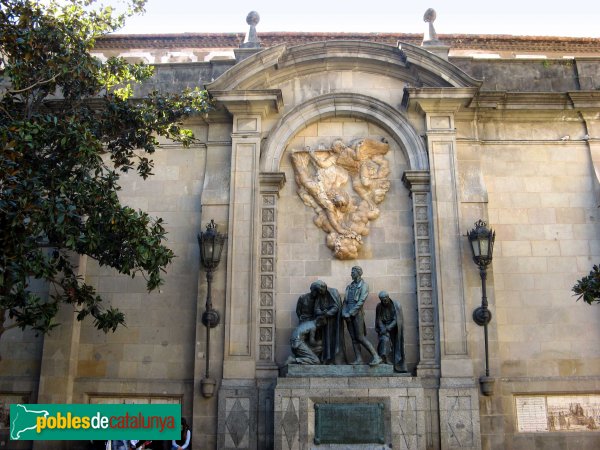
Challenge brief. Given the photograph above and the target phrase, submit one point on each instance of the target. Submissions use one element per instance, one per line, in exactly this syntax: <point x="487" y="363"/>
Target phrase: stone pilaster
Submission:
<point x="418" y="182"/>
<point x="239" y="326"/>
<point x="248" y="109"/>
<point x="59" y="361"/>
<point x="266" y="368"/>
<point x="249" y="337"/>
<point x="270" y="185"/>
<point x="215" y="206"/>
<point x="441" y="145"/>
<point x="592" y="126"/>
<point x="237" y="405"/>
<point x="458" y="393"/>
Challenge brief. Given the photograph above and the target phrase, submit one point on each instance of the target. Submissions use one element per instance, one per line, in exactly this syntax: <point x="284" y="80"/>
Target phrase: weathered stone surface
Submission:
<point x="520" y="150"/>
<point x="359" y="370"/>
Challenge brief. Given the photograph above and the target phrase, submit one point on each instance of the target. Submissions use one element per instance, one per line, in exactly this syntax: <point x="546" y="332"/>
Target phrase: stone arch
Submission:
<point x="415" y="65"/>
<point x="416" y="180"/>
<point x="346" y="105"/>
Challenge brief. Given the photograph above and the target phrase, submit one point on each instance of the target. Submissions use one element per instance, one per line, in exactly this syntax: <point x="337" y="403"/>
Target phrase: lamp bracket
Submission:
<point x="482" y="316"/>
<point x="210" y="318"/>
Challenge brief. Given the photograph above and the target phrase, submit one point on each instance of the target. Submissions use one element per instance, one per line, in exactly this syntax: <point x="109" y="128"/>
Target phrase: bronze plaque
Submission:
<point x="349" y="423"/>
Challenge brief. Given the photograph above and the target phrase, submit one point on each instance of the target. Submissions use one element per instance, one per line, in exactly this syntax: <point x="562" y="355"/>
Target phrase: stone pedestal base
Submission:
<point x="359" y="370"/>
<point x="409" y="413"/>
<point x="459" y="413"/>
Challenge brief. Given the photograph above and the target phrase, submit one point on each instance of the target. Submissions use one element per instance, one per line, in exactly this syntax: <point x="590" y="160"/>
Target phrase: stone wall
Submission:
<point x="154" y="354"/>
<point x="514" y="75"/>
<point x="523" y="162"/>
<point x="531" y="177"/>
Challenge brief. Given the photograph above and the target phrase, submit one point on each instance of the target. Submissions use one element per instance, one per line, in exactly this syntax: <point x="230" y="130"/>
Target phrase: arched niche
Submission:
<point x="344" y="105"/>
<point x="410" y="215"/>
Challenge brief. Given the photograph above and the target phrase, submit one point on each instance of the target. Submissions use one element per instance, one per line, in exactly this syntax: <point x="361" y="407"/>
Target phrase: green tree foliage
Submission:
<point x="588" y="288"/>
<point x="68" y="127"/>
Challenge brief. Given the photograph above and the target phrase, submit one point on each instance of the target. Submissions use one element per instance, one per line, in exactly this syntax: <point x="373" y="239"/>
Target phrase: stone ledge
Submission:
<point x="361" y="370"/>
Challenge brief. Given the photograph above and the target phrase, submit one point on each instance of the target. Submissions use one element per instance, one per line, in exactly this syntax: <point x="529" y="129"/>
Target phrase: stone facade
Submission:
<point x="513" y="142"/>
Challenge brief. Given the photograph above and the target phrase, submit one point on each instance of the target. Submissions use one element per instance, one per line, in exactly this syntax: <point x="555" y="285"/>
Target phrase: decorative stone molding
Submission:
<point x="262" y="102"/>
<point x="348" y="105"/>
<point x="404" y="400"/>
<point x="279" y="63"/>
<point x="459" y="414"/>
<point x="418" y="182"/>
<point x="439" y="107"/>
<point x="237" y="427"/>
<point x="270" y="185"/>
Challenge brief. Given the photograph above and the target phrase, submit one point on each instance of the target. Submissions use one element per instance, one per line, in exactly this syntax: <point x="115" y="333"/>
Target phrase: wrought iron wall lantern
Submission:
<point x="211" y="244"/>
<point x="481" y="240"/>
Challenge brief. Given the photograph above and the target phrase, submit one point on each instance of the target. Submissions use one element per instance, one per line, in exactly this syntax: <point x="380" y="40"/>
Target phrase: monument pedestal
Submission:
<point x="328" y="407"/>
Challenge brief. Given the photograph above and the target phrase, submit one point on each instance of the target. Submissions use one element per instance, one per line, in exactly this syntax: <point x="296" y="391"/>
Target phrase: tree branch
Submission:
<point x="37" y="83"/>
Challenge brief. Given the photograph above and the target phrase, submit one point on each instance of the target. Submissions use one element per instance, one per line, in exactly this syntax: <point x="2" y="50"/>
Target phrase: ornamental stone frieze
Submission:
<point x="344" y="185"/>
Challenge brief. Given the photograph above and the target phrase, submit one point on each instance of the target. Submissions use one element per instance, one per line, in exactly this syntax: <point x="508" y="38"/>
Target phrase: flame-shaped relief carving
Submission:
<point x="344" y="185"/>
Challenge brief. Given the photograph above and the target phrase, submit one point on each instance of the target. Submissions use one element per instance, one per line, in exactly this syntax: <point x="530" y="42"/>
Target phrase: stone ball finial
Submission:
<point x="429" y="15"/>
<point x="252" y="18"/>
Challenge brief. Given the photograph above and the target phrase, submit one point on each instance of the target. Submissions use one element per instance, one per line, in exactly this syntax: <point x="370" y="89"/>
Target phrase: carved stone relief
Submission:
<point x="344" y="184"/>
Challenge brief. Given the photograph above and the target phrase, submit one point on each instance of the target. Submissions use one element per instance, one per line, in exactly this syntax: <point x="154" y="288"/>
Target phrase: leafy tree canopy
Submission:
<point x="68" y="127"/>
<point x="588" y="288"/>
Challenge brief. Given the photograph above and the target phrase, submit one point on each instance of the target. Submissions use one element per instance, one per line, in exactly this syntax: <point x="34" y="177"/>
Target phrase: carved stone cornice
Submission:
<point x="521" y="100"/>
<point x="271" y="182"/>
<point x="585" y="99"/>
<point x="433" y="63"/>
<point x="410" y="63"/>
<point x="433" y="99"/>
<point x="416" y="180"/>
<point x="487" y="42"/>
<point x="263" y="101"/>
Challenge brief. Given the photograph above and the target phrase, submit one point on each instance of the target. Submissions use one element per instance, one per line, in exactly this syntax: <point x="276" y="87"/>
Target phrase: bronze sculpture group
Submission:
<point x="319" y="337"/>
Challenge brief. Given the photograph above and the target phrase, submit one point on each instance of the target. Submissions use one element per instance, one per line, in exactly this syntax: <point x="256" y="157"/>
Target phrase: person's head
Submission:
<point x="337" y="146"/>
<point x="318" y="288"/>
<point x="184" y="425"/>
<point x="381" y="188"/>
<point x="356" y="273"/>
<point x="340" y="199"/>
<point x="384" y="298"/>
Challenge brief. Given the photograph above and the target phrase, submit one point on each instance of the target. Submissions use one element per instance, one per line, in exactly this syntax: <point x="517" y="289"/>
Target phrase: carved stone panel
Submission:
<point x="237" y="426"/>
<point x="344" y="185"/>
<point x="237" y="423"/>
<point x="290" y="424"/>
<point x="459" y="421"/>
<point x="270" y="184"/>
<point x="418" y="183"/>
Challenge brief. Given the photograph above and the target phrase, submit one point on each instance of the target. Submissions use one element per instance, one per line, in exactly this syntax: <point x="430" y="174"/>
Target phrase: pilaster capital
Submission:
<point x="261" y="102"/>
<point x="440" y="100"/>
<point x="417" y="180"/>
<point x="586" y="100"/>
<point x="271" y="182"/>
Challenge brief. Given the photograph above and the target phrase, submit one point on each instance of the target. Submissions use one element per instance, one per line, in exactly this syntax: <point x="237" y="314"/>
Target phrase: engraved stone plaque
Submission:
<point x="561" y="413"/>
<point x="349" y="423"/>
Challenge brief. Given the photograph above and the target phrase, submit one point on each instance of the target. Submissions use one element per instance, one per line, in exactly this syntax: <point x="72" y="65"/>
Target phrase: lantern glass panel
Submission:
<point x="475" y="247"/>
<point x="218" y="248"/>
<point x="485" y="247"/>
<point x="210" y="250"/>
